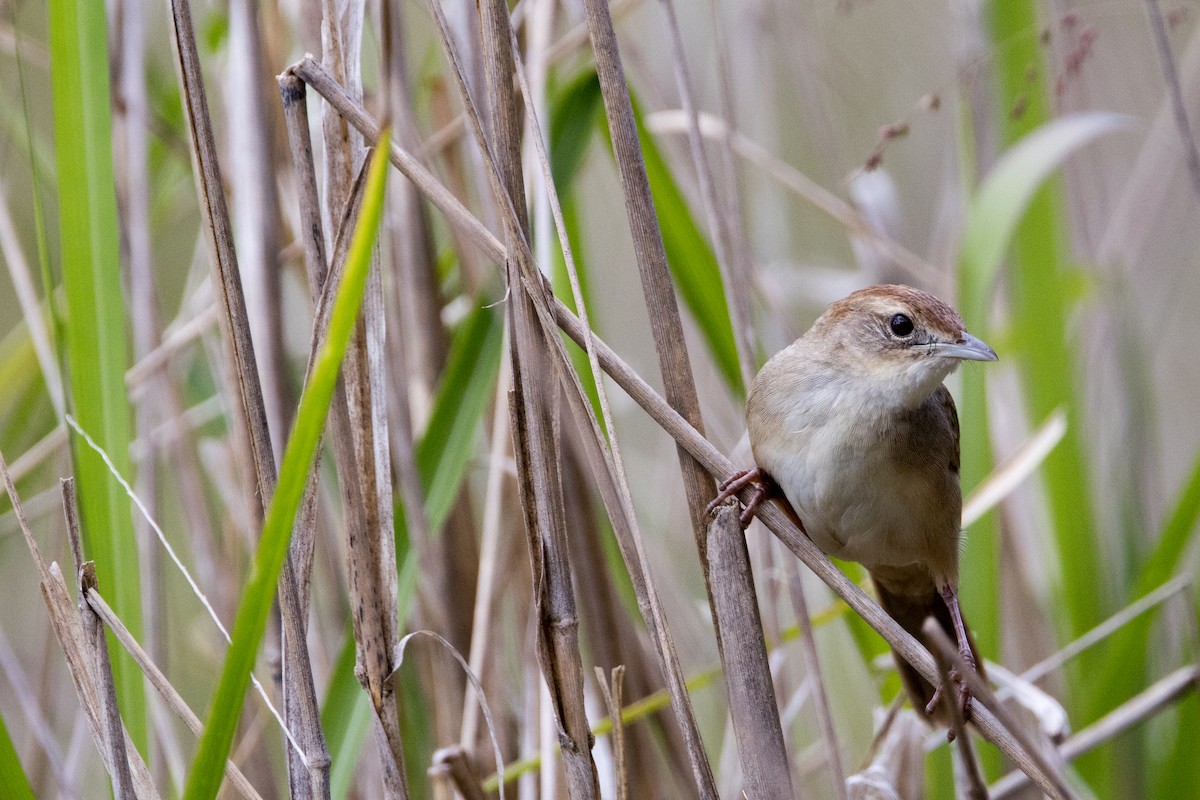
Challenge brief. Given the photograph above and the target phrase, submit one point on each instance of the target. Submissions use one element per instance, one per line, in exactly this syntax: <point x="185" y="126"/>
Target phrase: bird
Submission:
<point x="853" y="424"/>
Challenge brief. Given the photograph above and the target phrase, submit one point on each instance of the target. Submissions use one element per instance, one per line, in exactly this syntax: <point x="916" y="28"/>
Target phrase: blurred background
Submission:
<point x="1034" y="164"/>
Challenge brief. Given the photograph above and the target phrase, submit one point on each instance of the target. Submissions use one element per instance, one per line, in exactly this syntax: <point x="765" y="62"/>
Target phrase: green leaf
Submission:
<point x="1002" y="201"/>
<point x="466" y="386"/>
<point x="14" y="785"/>
<point x="204" y="779"/>
<point x="97" y="352"/>
<point x="692" y="262"/>
<point x="1124" y="664"/>
<point x="345" y="718"/>
<point x="574" y="114"/>
<point x="993" y="219"/>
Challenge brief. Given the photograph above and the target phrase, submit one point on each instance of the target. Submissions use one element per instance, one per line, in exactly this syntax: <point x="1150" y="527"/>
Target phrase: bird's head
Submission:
<point x="901" y="340"/>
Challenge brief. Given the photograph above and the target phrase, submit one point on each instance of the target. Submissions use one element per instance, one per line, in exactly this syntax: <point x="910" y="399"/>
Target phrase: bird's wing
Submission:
<point x="943" y="405"/>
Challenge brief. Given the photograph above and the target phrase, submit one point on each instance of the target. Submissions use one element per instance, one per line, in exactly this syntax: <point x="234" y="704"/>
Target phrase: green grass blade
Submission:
<point x="14" y="784"/>
<point x="97" y="351"/>
<point x="693" y="265"/>
<point x="345" y="718"/>
<point x="1038" y="291"/>
<point x="574" y="116"/>
<point x="1124" y="667"/>
<point x="466" y="386"/>
<point x="1006" y="194"/>
<point x="993" y="220"/>
<point x="204" y="778"/>
<point x="692" y="261"/>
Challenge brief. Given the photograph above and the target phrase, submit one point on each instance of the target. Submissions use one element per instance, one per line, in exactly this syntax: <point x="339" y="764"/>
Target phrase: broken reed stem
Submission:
<point x="982" y="692"/>
<point x="454" y="763"/>
<point x="669" y="419"/>
<point x="612" y="701"/>
<point x="374" y="616"/>
<point x="752" y="703"/>
<point x="533" y="402"/>
<point x="65" y="619"/>
<point x="93" y="628"/>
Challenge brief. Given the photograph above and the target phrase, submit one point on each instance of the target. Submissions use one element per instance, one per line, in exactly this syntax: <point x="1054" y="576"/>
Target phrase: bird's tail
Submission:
<point x="910" y="612"/>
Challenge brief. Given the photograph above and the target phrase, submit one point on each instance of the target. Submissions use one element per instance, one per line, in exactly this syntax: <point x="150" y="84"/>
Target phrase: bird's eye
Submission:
<point x="900" y="325"/>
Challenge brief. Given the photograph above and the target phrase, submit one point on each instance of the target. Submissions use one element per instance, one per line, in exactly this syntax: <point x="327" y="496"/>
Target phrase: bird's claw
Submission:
<point x="964" y="693"/>
<point x="734" y="484"/>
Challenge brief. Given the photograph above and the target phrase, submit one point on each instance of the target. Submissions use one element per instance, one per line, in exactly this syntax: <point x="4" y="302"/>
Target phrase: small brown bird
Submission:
<point x="853" y="424"/>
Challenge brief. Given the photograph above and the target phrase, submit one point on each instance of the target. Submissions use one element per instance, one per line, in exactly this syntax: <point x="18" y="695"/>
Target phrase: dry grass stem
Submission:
<point x="1175" y="92"/>
<point x="68" y="628"/>
<point x="533" y="404"/>
<point x="752" y="704"/>
<point x="454" y="763"/>
<point x="948" y="651"/>
<point x="799" y="184"/>
<point x="735" y="285"/>
<point x="300" y="691"/>
<point x="1179" y="585"/>
<point x="812" y="662"/>
<point x="93" y="629"/>
<point x="612" y="701"/>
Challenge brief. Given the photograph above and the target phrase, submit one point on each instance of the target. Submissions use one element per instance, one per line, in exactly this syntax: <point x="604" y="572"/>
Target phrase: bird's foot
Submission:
<point x="734" y="484"/>
<point x="964" y="691"/>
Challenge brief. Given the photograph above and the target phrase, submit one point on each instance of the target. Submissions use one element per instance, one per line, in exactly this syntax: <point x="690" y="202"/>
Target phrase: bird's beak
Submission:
<point x="969" y="349"/>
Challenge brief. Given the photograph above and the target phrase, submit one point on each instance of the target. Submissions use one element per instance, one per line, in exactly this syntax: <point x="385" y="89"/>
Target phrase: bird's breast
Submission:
<point x="866" y="486"/>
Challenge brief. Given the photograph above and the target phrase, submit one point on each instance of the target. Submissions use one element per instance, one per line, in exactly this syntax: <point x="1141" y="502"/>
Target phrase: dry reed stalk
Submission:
<point x="948" y="651"/>
<point x="304" y="715"/>
<point x="93" y="630"/>
<point x="736" y="286"/>
<point x="969" y="771"/>
<point x="256" y="211"/>
<point x="364" y="466"/>
<point x="799" y="184"/>
<point x="453" y="763"/>
<point x="1142" y="706"/>
<point x="605" y="461"/>
<point x="812" y="662"/>
<point x="533" y="404"/>
<point x="373" y="606"/>
<point x="752" y="702"/>
<point x="613" y="699"/>
<point x="665" y="323"/>
<point x="612" y="639"/>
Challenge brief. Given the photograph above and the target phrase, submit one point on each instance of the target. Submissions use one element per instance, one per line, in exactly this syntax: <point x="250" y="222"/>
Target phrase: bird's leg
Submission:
<point x="735" y="483"/>
<point x="950" y="597"/>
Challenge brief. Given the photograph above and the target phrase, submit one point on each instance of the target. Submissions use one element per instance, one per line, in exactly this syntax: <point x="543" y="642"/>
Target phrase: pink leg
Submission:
<point x="950" y="597"/>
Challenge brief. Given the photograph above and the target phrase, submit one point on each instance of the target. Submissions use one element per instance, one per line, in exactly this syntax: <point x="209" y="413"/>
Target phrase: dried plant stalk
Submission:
<point x="533" y="401"/>
<point x="93" y="629"/>
<point x="751" y="692"/>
